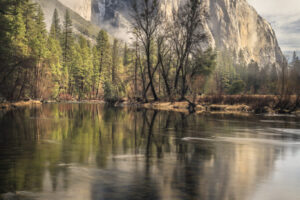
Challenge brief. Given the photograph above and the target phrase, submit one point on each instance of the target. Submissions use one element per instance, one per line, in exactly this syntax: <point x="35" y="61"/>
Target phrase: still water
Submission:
<point x="93" y="152"/>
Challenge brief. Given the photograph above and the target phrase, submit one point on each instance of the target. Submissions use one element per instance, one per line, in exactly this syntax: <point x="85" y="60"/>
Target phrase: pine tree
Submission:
<point x="126" y="60"/>
<point x="83" y="68"/>
<point x="294" y="79"/>
<point x="40" y="34"/>
<point x="96" y="74"/>
<point x="29" y="16"/>
<point x="40" y="51"/>
<point x="12" y="48"/>
<point x="67" y="44"/>
<point x="55" y="54"/>
<point x="5" y="42"/>
<point x="104" y="56"/>
<point x="295" y="57"/>
<point x="115" y="60"/>
<point x="55" y="30"/>
<point x="253" y="74"/>
<point x="76" y="74"/>
<point x="67" y="38"/>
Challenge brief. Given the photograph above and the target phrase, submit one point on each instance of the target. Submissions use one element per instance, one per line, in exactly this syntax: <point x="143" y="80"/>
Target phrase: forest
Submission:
<point x="165" y="60"/>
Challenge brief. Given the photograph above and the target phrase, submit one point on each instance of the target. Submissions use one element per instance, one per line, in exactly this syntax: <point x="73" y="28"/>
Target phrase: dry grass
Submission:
<point x="229" y="108"/>
<point x="183" y="107"/>
<point x="236" y="99"/>
<point x="256" y="103"/>
<point x="18" y="104"/>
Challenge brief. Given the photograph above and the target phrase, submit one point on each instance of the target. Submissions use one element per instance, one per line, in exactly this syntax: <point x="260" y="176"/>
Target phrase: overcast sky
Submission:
<point x="284" y="15"/>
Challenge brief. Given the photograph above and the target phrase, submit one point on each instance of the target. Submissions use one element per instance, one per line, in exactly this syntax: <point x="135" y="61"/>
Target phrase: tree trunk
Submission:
<point x="149" y="65"/>
<point x="165" y="78"/>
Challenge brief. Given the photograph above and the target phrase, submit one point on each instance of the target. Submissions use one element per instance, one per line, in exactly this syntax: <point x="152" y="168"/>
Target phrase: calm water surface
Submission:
<point x="91" y="152"/>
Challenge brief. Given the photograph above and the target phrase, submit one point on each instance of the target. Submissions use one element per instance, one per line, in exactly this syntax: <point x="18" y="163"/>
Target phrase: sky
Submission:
<point x="284" y="16"/>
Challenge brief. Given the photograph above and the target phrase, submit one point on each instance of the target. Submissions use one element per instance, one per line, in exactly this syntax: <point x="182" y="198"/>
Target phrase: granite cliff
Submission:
<point x="232" y="25"/>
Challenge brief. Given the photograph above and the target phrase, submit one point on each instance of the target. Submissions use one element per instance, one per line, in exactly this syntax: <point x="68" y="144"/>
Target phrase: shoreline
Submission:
<point x="202" y="108"/>
<point x="182" y="107"/>
<point x="19" y="104"/>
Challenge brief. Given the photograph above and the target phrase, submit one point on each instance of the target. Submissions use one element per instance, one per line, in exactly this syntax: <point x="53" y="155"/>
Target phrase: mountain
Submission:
<point x="235" y="25"/>
<point x="81" y="24"/>
<point x="232" y="25"/>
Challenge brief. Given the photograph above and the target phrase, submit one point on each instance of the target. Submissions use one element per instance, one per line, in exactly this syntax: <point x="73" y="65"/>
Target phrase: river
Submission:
<point x="94" y="152"/>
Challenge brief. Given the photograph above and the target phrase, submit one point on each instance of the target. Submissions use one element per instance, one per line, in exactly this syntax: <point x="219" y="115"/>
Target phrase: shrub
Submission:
<point x="237" y="87"/>
<point x="113" y="92"/>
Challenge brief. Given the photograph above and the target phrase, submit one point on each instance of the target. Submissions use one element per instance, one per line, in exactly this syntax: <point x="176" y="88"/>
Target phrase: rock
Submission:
<point x="82" y="7"/>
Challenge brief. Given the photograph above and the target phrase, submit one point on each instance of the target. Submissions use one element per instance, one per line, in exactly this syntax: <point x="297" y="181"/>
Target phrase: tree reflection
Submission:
<point x="129" y="153"/>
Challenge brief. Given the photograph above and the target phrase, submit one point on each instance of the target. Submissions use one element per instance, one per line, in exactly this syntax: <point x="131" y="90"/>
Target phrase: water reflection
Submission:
<point x="83" y="151"/>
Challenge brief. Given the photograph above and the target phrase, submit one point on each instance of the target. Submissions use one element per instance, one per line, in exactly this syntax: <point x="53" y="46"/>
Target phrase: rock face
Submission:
<point x="235" y="25"/>
<point x="232" y="25"/>
<point x="80" y="24"/>
<point x="82" y="7"/>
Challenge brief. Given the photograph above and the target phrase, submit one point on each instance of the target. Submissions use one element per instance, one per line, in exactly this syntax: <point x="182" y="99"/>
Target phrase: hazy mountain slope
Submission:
<point x="80" y="24"/>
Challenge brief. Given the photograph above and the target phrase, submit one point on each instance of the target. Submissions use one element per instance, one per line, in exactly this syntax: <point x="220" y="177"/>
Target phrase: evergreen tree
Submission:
<point x="273" y="80"/>
<point x="67" y="44"/>
<point x="18" y="32"/>
<point x="5" y="41"/>
<point x="29" y="16"/>
<point x="40" y="51"/>
<point x="264" y="79"/>
<point x="55" y="54"/>
<point x="104" y="56"/>
<point x="55" y="30"/>
<point x="115" y="60"/>
<point x="13" y="47"/>
<point x="95" y="72"/>
<point x="40" y="40"/>
<point x="83" y="68"/>
<point x="67" y="38"/>
<point x="253" y="74"/>
<point x="294" y="79"/>
<point x="126" y="55"/>
<point x="295" y="58"/>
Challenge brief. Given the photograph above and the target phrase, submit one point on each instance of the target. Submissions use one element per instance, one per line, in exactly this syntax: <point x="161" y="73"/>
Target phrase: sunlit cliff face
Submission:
<point x="82" y="7"/>
<point x="237" y="26"/>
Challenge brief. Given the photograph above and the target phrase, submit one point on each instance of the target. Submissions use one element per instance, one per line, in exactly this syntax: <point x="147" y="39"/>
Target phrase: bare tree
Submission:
<point x="146" y="21"/>
<point x="187" y="33"/>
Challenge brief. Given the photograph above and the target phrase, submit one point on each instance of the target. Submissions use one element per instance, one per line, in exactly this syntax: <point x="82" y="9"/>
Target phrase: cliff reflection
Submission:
<point x="94" y="152"/>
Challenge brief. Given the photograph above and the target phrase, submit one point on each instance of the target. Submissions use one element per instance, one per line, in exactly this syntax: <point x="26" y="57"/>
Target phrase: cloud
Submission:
<point x="284" y="16"/>
<point x="276" y="7"/>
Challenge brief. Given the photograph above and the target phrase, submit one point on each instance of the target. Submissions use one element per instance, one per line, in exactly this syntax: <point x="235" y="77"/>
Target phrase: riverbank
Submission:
<point x="18" y="104"/>
<point x="256" y="104"/>
<point x="183" y="107"/>
<point x="225" y="105"/>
